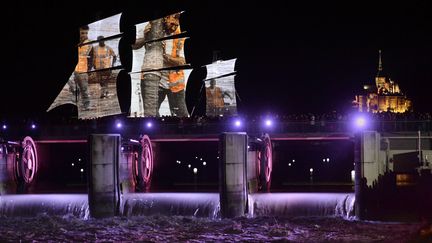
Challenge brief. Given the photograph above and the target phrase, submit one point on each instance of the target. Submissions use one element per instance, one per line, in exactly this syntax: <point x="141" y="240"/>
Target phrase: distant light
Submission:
<point x="293" y="160"/>
<point x="122" y="148"/>
<point x="79" y="159"/>
<point x="217" y="157"/>
<point x="289" y="164"/>
<point x="189" y="165"/>
<point x="248" y="147"/>
<point x="353" y="175"/>
<point x="323" y="160"/>
<point x="328" y="159"/>
<point x="33" y="126"/>
<point x="204" y="163"/>
<point x="237" y="123"/>
<point x="360" y="122"/>
<point x="195" y="170"/>
<point x="311" y="170"/>
<point x="196" y="157"/>
<point x="268" y="123"/>
<point x="73" y="164"/>
<point x="149" y="124"/>
<point x="82" y="170"/>
<point x="201" y="159"/>
<point x="4" y="127"/>
<point x="119" y="125"/>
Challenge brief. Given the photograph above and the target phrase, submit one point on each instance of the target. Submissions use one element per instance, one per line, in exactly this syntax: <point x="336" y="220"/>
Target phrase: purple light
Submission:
<point x="360" y="122"/>
<point x="268" y="123"/>
<point x="119" y="125"/>
<point x="237" y="123"/>
<point x="149" y="124"/>
<point x="4" y="127"/>
<point x="33" y="126"/>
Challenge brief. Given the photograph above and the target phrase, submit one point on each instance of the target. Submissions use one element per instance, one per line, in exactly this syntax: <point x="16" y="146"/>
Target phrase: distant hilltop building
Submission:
<point x="385" y="96"/>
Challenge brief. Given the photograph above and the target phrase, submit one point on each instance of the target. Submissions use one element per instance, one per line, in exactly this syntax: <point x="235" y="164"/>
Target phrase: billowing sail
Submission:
<point x="220" y="89"/>
<point x="220" y="68"/>
<point x="158" y="76"/>
<point x="92" y="85"/>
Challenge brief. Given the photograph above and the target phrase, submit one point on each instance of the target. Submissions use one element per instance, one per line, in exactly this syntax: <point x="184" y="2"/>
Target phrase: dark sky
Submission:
<point x="292" y="57"/>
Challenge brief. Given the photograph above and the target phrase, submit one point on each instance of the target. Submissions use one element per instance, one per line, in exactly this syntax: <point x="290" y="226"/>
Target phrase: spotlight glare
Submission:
<point x="4" y="127"/>
<point x="360" y="122"/>
<point x="33" y="126"/>
<point x="119" y="125"/>
<point x="237" y="123"/>
<point x="149" y="124"/>
<point x="195" y="170"/>
<point x="268" y="123"/>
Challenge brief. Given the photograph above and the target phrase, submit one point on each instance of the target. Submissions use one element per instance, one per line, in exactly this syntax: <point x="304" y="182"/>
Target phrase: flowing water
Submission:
<point x="30" y="205"/>
<point x="301" y="204"/>
<point x="180" y="204"/>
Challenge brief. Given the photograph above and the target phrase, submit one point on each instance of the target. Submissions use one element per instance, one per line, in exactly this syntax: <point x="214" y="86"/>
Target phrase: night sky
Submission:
<point x="292" y="57"/>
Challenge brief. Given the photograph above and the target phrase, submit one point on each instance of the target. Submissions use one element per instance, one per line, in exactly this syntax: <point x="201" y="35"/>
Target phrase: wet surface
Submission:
<point x="44" y="228"/>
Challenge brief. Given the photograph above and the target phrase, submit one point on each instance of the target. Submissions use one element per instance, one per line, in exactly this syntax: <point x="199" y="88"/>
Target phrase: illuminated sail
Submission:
<point x="92" y="86"/>
<point x="220" y="88"/>
<point x="158" y="73"/>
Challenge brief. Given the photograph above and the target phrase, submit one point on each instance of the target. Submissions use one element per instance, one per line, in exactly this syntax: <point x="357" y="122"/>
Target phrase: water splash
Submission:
<point x="181" y="204"/>
<point x="301" y="204"/>
<point x="31" y="205"/>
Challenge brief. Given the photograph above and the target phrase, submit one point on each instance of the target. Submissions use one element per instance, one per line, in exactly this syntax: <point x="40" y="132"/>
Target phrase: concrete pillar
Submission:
<point x="370" y="142"/>
<point x="232" y="174"/>
<point x="252" y="174"/>
<point x="104" y="193"/>
<point x="7" y="182"/>
<point x="359" y="181"/>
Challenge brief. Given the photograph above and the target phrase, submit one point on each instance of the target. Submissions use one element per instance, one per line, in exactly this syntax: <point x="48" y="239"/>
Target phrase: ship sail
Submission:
<point x="220" y="88"/>
<point x="92" y="85"/>
<point x="159" y="70"/>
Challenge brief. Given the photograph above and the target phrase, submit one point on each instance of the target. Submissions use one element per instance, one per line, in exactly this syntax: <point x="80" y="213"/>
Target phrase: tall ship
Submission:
<point x="159" y="72"/>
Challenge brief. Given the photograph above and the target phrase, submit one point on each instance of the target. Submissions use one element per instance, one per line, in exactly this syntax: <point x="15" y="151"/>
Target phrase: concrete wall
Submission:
<point x="233" y="159"/>
<point x="104" y="193"/>
<point x="370" y="144"/>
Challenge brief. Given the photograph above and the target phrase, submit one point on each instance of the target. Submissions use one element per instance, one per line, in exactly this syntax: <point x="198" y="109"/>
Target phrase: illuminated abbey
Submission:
<point x="385" y="96"/>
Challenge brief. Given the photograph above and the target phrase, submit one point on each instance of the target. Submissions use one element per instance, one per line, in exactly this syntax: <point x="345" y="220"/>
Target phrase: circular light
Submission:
<point x="4" y="127"/>
<point x="119" y="125"/>
<point x="82" y="170"/>
<point x="204" y="163"/>
<point x="237" y="123"/>
<point x="149" y="124"/>
<point x="268" y="123"/>
<point x="360" y="122"/>
<point x="33" y="126"/>
<point x="195" y="170"/>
